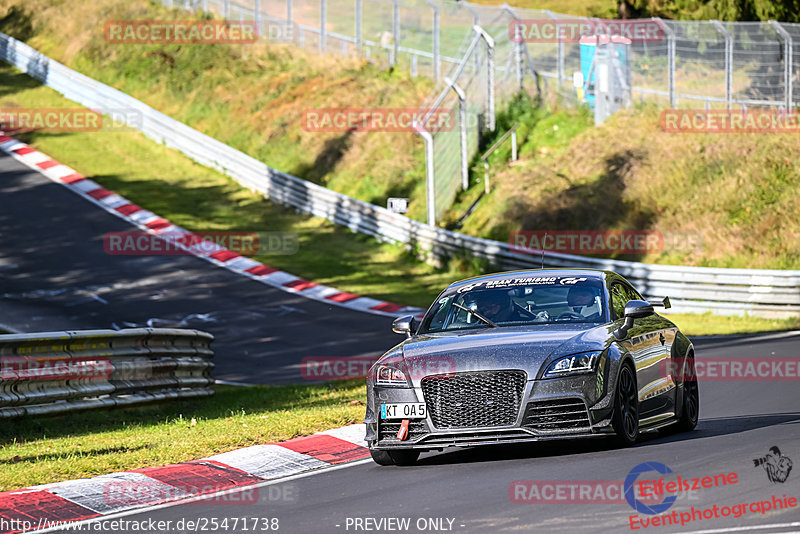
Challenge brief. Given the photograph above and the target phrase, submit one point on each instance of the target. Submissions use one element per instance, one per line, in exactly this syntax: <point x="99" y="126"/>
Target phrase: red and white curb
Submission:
<point x="150" y="222"/>
<point x="51" y="505"/>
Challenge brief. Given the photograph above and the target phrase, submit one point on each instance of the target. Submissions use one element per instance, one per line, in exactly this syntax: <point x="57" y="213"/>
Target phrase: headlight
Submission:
<point x="387" y="375"/>
<point x="575" y="364"/>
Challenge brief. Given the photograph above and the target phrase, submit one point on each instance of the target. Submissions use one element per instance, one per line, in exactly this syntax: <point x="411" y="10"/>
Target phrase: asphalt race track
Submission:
<point x="55" y="275"/>
<point x="739" y="422"/>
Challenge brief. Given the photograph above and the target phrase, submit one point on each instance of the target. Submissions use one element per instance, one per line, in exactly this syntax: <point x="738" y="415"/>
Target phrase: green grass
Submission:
<point x="51" y="449"/>
<point x="571" y="175"/>
<point x="251" y="97"/>
<point x="719" y="200"/>
<point x="704" y="324"/>
<point x="197" y="198"/>
<point x="583" y="8"/>
<point x="42" y="450"/>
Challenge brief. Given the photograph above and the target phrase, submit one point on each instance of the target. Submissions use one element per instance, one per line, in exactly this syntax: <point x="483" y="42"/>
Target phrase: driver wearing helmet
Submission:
<point x="583" y="302"/>
<point x="495" y="305"/>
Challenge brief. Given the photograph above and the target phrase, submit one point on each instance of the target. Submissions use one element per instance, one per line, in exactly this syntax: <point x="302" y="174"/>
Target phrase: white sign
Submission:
<point x="397" y="205"/>
<point x="577" y="79"/>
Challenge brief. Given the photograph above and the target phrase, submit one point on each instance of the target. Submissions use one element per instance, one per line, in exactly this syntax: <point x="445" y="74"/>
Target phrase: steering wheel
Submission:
<point x="526" y="312"/>
<point x="569" y="315"/>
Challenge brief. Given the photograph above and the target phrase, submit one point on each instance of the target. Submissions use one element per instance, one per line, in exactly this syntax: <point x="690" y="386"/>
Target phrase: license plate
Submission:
<point x="403" y="410"/>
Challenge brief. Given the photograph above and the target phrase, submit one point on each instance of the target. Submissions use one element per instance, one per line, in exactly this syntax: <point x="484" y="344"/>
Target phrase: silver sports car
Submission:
<point x="529" y="356"/>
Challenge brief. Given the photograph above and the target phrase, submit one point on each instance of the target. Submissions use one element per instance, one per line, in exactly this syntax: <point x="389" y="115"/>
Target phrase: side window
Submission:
<point x="618" y="300"/>
<point x="437" y="321"/>
<point x="632" y="294"/>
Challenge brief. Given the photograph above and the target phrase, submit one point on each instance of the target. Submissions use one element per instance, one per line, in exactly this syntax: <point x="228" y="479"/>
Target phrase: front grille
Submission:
<point x="556" y="415"/>
<point x="387" y="431"/>
<point x="474" y="400"/>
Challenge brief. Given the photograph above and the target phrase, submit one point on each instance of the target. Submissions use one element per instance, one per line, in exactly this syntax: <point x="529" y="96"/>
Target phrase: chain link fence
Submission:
<point x="467" y="49"/>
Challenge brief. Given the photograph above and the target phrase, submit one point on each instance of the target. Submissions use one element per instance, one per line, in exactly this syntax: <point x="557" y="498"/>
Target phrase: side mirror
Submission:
<point x="404" y="325"/>
<point x="634" y="309"/>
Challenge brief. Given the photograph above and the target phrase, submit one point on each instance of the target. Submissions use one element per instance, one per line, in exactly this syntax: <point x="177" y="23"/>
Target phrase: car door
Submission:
<point x="660" y="397"/>
<point x="647" y="344"/>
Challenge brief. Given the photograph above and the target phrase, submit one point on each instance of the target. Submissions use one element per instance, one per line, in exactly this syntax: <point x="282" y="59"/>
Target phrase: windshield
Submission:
<point x="515" y="301"/>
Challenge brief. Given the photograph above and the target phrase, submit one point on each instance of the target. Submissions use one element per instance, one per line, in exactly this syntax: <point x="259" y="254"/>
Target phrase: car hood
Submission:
<point x="526" y="348"/>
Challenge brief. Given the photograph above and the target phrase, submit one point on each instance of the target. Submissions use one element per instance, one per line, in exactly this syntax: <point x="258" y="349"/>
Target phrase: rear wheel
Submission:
<point x="399" y="457"/>
<point x="691" y="398"/>
<point x="626" y="407"/>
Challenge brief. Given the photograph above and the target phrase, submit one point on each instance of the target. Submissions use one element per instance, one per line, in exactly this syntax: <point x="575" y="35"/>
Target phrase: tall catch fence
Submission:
<point x="708" y="64"/>
<point x="769" y="293"/>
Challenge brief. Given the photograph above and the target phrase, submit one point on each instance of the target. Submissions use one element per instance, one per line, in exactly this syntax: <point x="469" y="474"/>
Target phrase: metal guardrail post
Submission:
<point x="475" y="22"/>
<point x="430" y="193"/>
<point x="257" y="17"/>
<point x="514" y="144"/>
<point x="518" y="45"/>
<point x="437" y="62"/>
<point x="673" y="97"/>
<point x="359" y="38"/>
<point x="462" y="126"/>
<point x="787" y="63"/>
<point x="490" y="67"/>
<point x="519" y="61"/>
<point x="288" y="32"/>
<point x="485" y="157"/>
<point x="395" y="31"/>
<point x="559" y="51"/>
<point x="759" y="292"/>
<point x="728" y="63"/>
<point x="323" y="19"/>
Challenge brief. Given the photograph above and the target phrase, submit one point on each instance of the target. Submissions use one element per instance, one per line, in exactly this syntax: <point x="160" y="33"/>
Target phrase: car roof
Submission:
<point x="535" y="273"/>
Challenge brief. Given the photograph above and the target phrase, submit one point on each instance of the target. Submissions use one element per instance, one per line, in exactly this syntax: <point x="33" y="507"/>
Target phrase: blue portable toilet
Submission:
<point x="620" y="47"/>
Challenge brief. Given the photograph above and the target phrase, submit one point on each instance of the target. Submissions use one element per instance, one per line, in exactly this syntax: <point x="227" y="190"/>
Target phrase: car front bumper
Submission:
<point x="569" y="407"/>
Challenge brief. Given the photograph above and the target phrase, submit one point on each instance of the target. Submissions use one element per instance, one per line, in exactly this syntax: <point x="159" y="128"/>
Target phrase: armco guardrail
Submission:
<point x="56" y="372"/>
<point x="770" y="293"/>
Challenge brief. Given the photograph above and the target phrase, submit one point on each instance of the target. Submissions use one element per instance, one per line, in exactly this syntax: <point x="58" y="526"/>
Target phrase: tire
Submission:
<point x="398" y="457"/>
<point x="690" y="411"/>
<point x="625" y="420"/>
<point x="381" y="457"/>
